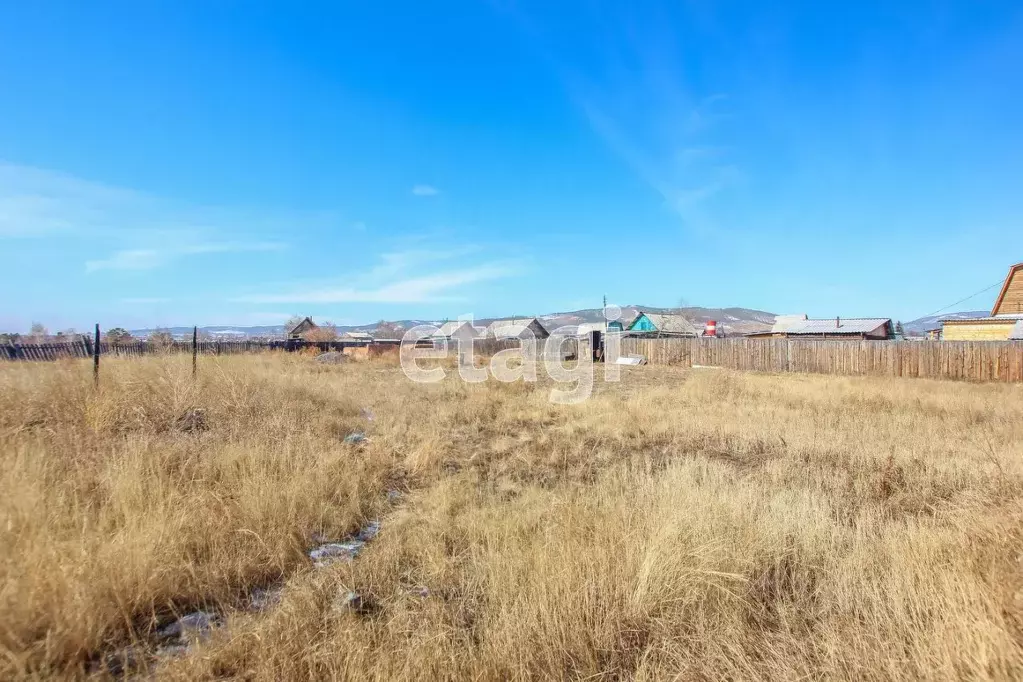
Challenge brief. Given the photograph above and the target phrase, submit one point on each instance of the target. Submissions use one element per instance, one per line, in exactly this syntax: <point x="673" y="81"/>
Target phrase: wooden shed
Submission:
<point x="1003" y="323"/>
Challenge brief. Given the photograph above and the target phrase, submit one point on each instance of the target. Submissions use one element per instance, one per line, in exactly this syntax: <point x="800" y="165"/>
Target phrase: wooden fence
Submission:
<point x="566" y="346"/>
<point x="967" y="360"/>
<point x="82" y="348"/>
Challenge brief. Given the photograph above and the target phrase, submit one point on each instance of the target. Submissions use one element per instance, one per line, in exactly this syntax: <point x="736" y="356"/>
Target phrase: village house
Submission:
<point x="662" y="324"/>
<point x="363" y="337"/>
<point x="522" y="328"/>
<point x="300" y="330"/>
<point x="799" y="326"/>
<point x="457" y="330"/>
<point x="1005" y="322"/>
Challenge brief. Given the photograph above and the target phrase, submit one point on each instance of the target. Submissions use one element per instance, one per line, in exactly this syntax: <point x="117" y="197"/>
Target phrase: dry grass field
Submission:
<point x="691" y="525"/>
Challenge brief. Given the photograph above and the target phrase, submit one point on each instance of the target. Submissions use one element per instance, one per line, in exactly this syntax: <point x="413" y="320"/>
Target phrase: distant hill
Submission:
<point x="733" y="321"/>
<point x="922" y="324"/>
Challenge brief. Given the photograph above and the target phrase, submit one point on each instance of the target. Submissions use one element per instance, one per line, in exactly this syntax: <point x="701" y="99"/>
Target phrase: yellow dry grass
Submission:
<point x="678" y="525"/>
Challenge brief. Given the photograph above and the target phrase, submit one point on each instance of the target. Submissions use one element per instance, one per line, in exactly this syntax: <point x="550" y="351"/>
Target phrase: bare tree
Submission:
<point x="37" y="331"/>
<point x="387" y="330"/>
<point x="161" y="338"/>
<point x="324" y="332"/>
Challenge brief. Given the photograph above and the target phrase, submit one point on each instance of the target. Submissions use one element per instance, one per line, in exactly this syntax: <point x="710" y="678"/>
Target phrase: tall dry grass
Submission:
<point x="678" y="525"/>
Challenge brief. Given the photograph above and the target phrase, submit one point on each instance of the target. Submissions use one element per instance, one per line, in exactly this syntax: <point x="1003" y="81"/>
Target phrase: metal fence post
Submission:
<point x="195" y="347"/>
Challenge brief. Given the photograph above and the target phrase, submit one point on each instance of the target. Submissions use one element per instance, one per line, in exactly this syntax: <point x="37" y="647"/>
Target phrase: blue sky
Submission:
<point x="169" y="163"/>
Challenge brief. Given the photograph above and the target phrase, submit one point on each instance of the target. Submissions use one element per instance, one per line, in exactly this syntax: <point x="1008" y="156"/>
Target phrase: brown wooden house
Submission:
<point x="302" y="328"/>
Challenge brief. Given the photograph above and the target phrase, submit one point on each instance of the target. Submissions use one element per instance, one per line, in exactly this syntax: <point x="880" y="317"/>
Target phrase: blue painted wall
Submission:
<point x="642" y="324"/>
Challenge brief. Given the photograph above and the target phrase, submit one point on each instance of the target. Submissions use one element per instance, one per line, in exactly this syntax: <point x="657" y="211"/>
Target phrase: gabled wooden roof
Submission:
<point x="306" y="323"/>
<point x="1014" y="284"/>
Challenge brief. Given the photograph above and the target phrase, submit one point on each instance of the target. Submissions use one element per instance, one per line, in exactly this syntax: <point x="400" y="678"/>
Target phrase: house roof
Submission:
<point x="1013" y="269"/>
<point x="358" y="335"/>
<point x="306" y="321"/>
<point x="447" y="329"/>
<point x="782" y="323"/>
<point x="668" y="323"/>
<point x="567" y="330"/>
<point x="513" y="328"/>
<point x="854" y="325"/>
<point x="1017" y="331"/>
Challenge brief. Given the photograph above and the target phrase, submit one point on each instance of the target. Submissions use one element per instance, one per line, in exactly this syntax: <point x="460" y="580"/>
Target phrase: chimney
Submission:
<point x="837" y="323"/>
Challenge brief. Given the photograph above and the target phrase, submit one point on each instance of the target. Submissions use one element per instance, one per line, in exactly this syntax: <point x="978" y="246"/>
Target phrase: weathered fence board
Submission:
<point x="967" y="360"/>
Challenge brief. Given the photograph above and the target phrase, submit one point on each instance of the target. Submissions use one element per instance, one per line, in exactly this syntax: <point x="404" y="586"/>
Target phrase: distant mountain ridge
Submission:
<point x="733" y="321"/>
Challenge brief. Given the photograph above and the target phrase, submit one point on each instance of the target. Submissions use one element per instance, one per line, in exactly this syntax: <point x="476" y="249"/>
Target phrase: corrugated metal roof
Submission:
<point x="856" y="325"/>
<point x="1017" y="331"/>
<point x="671" y="324"/>
<point x="782" y="323"/>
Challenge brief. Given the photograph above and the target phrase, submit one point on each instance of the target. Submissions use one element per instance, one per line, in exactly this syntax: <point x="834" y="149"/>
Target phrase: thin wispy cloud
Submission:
<point x="37" y="203"/>
<point x="148" y="259"/>
<point x="135" y="226"/>
<point x="639" y="101"/>
<point x="400" y="277"/>
<point x="396" y="263"/>
<point x="425" y="191"/>
<point x="667" y="142"/>
<point x="128" y="259"/>
<point x="434" y="288"/>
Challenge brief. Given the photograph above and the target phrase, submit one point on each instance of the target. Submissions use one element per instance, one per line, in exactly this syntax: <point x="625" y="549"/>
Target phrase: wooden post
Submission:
<point x="95" y="358"/>
<point x="195" y="347"/>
